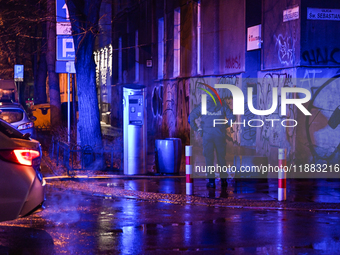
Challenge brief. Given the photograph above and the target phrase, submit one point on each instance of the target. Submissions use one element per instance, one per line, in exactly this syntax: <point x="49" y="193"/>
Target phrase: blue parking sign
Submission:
<point x="65" y="48"/>
<point x="18" y="72"/>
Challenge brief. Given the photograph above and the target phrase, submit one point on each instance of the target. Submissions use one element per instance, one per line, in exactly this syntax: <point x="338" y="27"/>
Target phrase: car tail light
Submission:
<point x="25" y="126"/>
<point x="20" y="156"/>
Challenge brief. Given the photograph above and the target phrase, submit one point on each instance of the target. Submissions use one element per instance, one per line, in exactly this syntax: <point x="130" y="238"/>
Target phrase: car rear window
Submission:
<point x="11" y="115"/>
<point x="10" y="131"/>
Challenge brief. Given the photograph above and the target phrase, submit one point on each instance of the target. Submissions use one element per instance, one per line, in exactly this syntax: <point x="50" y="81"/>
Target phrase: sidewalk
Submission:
<point x="302" y="194"/>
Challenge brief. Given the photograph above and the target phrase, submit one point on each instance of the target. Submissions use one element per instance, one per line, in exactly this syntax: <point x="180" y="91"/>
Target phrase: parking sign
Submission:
<point x="18" y="73"/>
<point x="65" y="48"/>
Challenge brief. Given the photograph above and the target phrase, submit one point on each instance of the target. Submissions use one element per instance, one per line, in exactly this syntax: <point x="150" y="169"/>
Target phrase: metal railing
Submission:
<point x="76" y="157"/>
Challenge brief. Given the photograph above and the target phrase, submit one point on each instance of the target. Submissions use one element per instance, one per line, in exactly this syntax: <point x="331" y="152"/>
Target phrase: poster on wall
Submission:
<point x="254" y="38"/>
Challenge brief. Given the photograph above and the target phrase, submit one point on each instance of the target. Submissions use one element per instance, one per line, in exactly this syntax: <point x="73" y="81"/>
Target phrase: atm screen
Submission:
<point x="133" y="101"/>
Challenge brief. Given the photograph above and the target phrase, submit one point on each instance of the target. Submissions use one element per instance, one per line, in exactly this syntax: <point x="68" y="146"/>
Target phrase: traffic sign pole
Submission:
<point x="68" y="109"/>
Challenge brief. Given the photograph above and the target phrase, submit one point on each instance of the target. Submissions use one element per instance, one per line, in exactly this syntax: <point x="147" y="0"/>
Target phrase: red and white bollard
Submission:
<point x="188" y="171"/>
<point x="282" y="187"/>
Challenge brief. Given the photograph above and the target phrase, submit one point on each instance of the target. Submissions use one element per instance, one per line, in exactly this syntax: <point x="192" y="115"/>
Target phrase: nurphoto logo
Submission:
<point x="238" y="104"/>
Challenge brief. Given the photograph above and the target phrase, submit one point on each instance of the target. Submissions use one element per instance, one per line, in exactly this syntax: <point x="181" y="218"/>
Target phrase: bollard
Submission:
<point x="282" y="175"/>
<point x="188" y="171"/>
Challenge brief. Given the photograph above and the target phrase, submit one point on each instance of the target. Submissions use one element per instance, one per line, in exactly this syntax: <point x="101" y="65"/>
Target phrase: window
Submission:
<point x="120" y="61"/>
<point x="11" y="115"/>
<point x="160" y="48"/>
<point x="136" y="57"/>
<point x="177" y="45"/>
<point x="199" y="70"/>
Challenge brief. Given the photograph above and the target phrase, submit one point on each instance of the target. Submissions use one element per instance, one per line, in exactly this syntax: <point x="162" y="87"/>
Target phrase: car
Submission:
<point x="5" y="100"/>
<point x="22" y="187"/>
<point x="16" y="115"/>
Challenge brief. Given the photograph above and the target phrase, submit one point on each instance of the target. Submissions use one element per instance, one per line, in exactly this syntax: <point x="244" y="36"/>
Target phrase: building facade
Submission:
<point x="260" y="44"/>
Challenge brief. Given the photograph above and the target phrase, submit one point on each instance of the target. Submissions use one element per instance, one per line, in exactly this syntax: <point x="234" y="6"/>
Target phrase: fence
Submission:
<point x="75" y="157"/>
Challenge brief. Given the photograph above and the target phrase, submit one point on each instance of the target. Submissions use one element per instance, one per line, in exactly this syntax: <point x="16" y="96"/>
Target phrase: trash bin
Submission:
<point x="177" y="152"/>
<point x="168" y="155"/>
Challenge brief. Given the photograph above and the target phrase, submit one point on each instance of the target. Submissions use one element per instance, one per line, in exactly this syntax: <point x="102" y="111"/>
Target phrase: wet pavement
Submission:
<point x="75" y="222"/>
<point x="306" y="194"/>
<point x="321" y="190"/>
<point x="152" y="215"/>
<point x="315" y="195"/>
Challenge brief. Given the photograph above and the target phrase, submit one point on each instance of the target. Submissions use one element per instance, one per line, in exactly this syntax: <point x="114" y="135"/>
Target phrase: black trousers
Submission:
<point x="215" y="142"/>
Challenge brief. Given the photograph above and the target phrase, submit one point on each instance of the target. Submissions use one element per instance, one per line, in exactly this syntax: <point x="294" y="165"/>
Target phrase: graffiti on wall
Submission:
<point x="285" y="46"/>
<point x="270" y="135"/>
<point x="310" y="78"/>
<point x="319" y="134"/>
<point x="322" y="128"/>
<point x="233" y="133"/>
<point x="322" y="56"/>
<point x="233" y="62"/>
<point x="157" y="101"/>
<point x="249" y="133"/>
<point x="170" y="109"/>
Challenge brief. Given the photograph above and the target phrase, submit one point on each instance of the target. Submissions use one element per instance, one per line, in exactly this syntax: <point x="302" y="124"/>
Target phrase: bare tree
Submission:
<point x="84" y="16"/>
<point x="27" y="36"/>
<point x="39" y="62"/>
<point x="53" y="77"/>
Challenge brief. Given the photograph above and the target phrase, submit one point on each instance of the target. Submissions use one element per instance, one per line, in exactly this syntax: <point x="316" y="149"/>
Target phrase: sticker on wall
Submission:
<point x="291" y="14"/>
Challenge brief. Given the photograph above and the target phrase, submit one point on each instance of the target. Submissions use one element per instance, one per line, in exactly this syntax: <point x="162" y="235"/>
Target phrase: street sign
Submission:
<point x="65" y="67"/>
<point x="64" y="28"/>
<point x="62" y="11"/>
<point x="65" y="48"/>
<point x="323" y="14"/>
<point x="18" y="73"/>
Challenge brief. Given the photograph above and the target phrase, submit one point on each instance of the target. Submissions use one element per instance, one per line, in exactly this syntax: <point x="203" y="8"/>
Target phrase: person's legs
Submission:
<point x="208" y="152"/>
<point x="220" y="144"/>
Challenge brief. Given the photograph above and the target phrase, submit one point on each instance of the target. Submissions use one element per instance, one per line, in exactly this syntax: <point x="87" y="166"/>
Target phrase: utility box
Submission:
<point x="43" y="114"/>
<point x="134" y="129"/>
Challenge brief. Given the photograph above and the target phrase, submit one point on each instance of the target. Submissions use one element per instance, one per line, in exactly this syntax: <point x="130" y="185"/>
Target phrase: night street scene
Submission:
<point x="169" y="127"/>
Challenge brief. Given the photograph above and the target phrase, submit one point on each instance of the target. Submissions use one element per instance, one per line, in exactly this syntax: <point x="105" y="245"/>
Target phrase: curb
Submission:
<point x="181" y="199"/>
<point x="59" y="181"/>
<point x="112" y="177"/>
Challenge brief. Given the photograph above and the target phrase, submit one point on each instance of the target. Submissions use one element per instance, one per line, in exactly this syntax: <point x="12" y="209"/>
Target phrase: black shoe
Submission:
<point x="224" y="193"/>
<point x="211" y="185"/>
<point x="224" y="183"/>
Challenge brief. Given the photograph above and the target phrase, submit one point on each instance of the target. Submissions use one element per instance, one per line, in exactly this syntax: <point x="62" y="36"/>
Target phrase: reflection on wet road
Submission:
<point x="76" y="223"/>
<point x="298" y="190"/>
